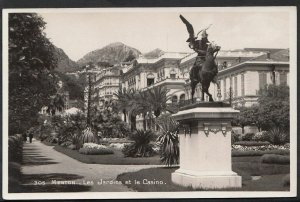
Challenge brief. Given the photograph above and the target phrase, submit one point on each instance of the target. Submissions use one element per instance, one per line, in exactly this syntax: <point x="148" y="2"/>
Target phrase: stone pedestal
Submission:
<point x="205" y="148"/>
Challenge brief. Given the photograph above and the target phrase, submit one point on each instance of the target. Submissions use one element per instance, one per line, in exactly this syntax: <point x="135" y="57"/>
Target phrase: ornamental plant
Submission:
<point x="94" y="149"/>
<point x="89" y="137"/>
<point x="278" y="136"/>
<point x="141" y="147"/>
<point x="168" y="140"/>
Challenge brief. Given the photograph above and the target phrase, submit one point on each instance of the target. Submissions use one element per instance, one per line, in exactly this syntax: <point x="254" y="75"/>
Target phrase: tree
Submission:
<point x="32" y="81"/>
<point x="157" y="99"/>
<point x="247" y="116"/>
<point x="73" y="86"/>
<point x="129" y="103"/>
<point x="274" y="107"/>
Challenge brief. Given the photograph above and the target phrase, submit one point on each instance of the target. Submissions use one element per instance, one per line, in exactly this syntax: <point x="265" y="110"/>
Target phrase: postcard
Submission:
<point x="177" y="102"/>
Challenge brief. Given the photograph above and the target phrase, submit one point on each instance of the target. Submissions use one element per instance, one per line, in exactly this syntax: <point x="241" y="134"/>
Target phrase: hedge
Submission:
<point x="275" y="159"/>
<point x="251" y="143"/>
<point x="237" y="153"/>
<point x="15" y="153"/>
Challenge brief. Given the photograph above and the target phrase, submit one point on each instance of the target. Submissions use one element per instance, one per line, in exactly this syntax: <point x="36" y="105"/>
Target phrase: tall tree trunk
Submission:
<point x="144" y="121"/>
<point x="89" y="102"/>
<point x="133" y="122"/>
<point x="124" y="113"/>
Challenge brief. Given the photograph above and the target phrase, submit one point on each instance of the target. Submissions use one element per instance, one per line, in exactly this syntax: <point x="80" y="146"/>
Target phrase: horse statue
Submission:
<point x="205" y="69"/>
<point x="207" y="72"/>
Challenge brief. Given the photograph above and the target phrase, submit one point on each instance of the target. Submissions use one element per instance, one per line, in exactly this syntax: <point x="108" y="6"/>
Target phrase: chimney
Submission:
<point x="268" y="55"/>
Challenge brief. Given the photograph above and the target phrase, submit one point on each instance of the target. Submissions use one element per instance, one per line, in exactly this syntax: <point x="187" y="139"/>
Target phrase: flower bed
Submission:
<point x="261" y="147"/>
<point x="251" y="143"/>
<point x="118" y="146"/>
<point x="94" y="149"/>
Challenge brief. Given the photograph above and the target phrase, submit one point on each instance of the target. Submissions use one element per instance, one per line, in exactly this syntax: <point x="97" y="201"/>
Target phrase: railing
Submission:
<point x="163" y="80"/>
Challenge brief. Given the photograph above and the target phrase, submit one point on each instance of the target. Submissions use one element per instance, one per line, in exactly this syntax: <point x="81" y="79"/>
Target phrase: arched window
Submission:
<point x="182" y="97"/>
<point x="172" y="74"/>
<point x="150" y="79"/>
<point x="174" y="99"/>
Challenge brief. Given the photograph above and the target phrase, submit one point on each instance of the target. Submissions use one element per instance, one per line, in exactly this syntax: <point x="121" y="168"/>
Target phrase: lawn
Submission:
<point x="271" y="179"/>
<point x="113" y="159"/>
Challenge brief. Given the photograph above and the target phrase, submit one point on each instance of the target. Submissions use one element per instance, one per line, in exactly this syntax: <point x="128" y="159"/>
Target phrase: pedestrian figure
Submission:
<point x="30" y="136"/>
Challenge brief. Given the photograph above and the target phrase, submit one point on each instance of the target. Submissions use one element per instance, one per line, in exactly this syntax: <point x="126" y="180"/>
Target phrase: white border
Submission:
<point x="116" y="195"/>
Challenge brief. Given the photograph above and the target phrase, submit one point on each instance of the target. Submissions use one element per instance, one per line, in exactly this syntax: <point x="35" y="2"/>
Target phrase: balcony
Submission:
<point x="166" y="82"/>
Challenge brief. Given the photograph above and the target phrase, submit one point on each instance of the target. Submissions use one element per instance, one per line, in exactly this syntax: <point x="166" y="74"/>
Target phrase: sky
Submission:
<point x="78" y="33"/>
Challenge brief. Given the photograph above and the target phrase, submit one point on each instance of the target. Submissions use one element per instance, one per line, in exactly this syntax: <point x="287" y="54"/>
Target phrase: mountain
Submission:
<point x="64" y="63"/>
<point x="113" y="53"/>
<point x="153" y="54"/>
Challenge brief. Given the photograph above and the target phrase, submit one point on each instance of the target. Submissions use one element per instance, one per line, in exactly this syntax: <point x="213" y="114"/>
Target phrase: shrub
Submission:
<point x="169" y="142"/>
<point x="235" y="137"/>
<point x="141" y="147"/>
<point x="286" y="180"/>
<point x="251" y="143"/>
<point x="275" y="159"/>
<point x="237" y="153"/>
<point x="260" y="136"/>
<point x="273" y="169"/>
<point x="277" y="136"/>
<point x="247" y="137"/>
<point x="15" y="150"/>
<point x="94" y="149"/>
<point x="89" y="137"/>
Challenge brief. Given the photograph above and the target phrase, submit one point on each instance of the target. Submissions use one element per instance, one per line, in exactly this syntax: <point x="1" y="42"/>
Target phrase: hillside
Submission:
<point x="154" y="54"/>
<point x="113" y="53"/>
<point x="64" y="63"/>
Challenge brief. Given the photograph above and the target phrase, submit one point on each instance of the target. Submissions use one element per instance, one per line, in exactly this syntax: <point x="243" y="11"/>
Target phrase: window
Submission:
<point x="243" y="85"/>
<point x="172" y="74"/>
<point x="235" y="87"/>
<point x="182" y="98"/>
<point x="283" y="78"/>
<point x="150" y="82"/>
<point x="150" y="79"/>
<point x="224" y="89"/>
<point x="262" y="80"/>
<point x="174" y="99"/>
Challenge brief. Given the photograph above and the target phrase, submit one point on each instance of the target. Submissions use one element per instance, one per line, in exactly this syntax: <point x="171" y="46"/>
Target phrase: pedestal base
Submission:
<point x="206" y="180"/>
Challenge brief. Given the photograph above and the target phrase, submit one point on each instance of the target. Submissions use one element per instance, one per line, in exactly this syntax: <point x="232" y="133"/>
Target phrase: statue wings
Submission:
<point x="189" y="27"/>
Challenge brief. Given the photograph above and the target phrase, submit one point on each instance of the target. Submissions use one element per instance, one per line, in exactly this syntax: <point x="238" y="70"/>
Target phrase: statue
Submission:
<point x="205" y="69"/>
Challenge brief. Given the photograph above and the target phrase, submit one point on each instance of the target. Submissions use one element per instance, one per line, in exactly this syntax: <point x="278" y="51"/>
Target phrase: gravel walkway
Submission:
<point x="44" y="170"/>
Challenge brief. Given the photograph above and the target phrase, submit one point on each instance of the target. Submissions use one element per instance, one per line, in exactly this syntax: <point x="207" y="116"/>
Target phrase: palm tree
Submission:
<point x="157" y="99"/>
<point x="122" y="101"/>
<point x="143" y="106"/>
<point x="128" y="104"/>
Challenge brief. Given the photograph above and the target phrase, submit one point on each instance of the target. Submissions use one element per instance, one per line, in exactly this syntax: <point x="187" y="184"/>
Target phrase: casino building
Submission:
<point x="242" y="73"/>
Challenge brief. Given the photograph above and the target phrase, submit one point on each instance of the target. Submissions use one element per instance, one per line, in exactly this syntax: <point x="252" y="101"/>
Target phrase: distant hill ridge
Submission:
<point x="113" y="53"/>
<point x="64" y="63"/>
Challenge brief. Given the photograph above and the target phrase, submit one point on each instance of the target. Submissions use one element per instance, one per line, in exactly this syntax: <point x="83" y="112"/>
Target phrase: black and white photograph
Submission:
<point x="108" y="103"/>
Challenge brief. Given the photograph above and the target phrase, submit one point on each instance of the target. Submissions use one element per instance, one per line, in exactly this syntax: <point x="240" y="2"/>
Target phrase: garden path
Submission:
<point x="41" y="163"/>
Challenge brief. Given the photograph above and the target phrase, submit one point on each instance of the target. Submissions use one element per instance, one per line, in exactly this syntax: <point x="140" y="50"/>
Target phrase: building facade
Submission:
<point x="242" y="73"/>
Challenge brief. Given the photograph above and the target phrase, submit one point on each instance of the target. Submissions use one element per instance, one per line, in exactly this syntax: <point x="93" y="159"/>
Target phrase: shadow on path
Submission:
<point x="33" y="157"/>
